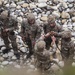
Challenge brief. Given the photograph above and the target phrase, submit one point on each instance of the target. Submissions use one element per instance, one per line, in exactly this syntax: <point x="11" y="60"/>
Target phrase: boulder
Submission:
<point x="41" y="5"/>
<point x="44" y="18"/>
<point x="4" y="63"/>
<point x="25" y="5"/>
<point x="73" y="19"/>
<point x="65" y="15"/>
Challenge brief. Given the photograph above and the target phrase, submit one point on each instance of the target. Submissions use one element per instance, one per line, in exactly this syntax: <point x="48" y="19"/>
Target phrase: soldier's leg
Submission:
<point x="29" y="43"/>
<point x="15" y="48"/>
<point x="6" y="42"/>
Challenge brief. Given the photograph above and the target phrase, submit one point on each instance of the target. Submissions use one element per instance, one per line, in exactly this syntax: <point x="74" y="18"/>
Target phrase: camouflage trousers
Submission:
<point x="48" y="68"/>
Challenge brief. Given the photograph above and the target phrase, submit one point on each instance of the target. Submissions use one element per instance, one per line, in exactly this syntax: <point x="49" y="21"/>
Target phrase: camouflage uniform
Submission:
<point x="42" y="55"/>
<point x="30" y="32"/>
<point x="67" y="46"/>
<point x="7" y="24"/>
<point x="13" y="41"/>
<point x="48" y="28"/>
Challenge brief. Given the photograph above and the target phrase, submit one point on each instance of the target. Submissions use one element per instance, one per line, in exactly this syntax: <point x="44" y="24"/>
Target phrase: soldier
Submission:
<point x="67" y="46"/>
<point x="30" y="32"/>
<point x="43" y="57"/>
<point x="13" y="38"/>
<point x="4" y="33"/>
<point x="8" y="24"/>
<point x="49" y="27"/>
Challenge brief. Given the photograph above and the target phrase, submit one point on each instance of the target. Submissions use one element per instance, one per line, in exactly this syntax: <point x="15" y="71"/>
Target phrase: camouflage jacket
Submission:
<point x="32" y="31"/>
<point x="47" y="28"/>
<point x="43" y="59"/>
<point x="67" y="47"/>
<point x="9" y="23"/>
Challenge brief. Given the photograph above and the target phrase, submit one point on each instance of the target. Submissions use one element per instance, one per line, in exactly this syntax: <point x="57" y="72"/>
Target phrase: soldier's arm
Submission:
<point x="44" y="27"/>
<point x="72" y="49"/>
<point x="60" y="28"/>
<point x="39" y="31"/>
<point x="23" y="26"/>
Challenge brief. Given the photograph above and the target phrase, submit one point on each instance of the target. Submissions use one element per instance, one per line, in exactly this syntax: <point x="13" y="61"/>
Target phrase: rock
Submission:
<point x="1" y="59"/>
<point x="10" y="54"/>
<point x="5" y="55"/>
<point x="32" y="66"/>
<point x="73" y="19"/>
<point x="35" y="14"/>
<point x="73" y="24"/>
<point x="65" y="15"/>
<point x="5" y="1"/>
<point x="13" y="5"/>
<point x="64" y="20"/>
<point x="18" y="7"/>
<point x="41" y="5"/>
<point x="70" y="0"/>
<point x="61" y="63"/>
<point x="1" y="66"/>
<point x="7" y="5"/>
<point x="15" y="16"/>
<point x="65" y="0"/>
<point x="55" y="1"/>
<point x="14" y="58"/>
<point x="32" y="5"/>
<point x="21" y="14"/>
<point x="54" y="7"/>
<point x="54" y="67"/>
<point x="12" y="13"/>
<point x="42" y="1"/>
<point x="73" y="13"/>
<point x="44" y="18"/>
<point x="65" y="26"/>
<point x="48" y="12"/>
<point x="20" y="3"/>
<point x="56" y="60"/>
<point x="73" y="64"/>
<point x="17" y="66"/>
<point x="25" y="56"/>
<point x="3" y="48"/>
<point x="65" y="5"/>
<point x="74" y="52"/>
<point x="19" y="19"/>
<point x="23" y="10"/>
<point x="16" y="0"/>
<point x="4" y="63"/>
<point x="0" y="2"/>
<point x="56" y="13"/>
<point x="10" y="62"/>
<point x="23" y="49"/>
<point x="12" y="10"/>
<point x="25" y="5"/>
<point x="70" y="5"/>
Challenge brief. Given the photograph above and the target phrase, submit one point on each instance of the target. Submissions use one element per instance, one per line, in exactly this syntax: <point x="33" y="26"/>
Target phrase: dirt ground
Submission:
<point x="10" y="70"/>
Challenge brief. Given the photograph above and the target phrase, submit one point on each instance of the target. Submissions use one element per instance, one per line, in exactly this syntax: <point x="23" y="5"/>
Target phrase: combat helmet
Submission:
<point x="66" y="34"/>
<point x="51" y="18"/>
<point x="30" y="17"/>
<point x="41" y="45"/>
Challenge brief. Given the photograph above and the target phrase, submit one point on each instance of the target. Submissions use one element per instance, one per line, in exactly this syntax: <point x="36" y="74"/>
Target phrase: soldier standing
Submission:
<point x="8" y="24"/>
<point x="30" y="32"/>
<point x="67" y="46"/>
<point x="49" y="27"/>
<point x="43" y="57"/>
<point x="4" y="32"/>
